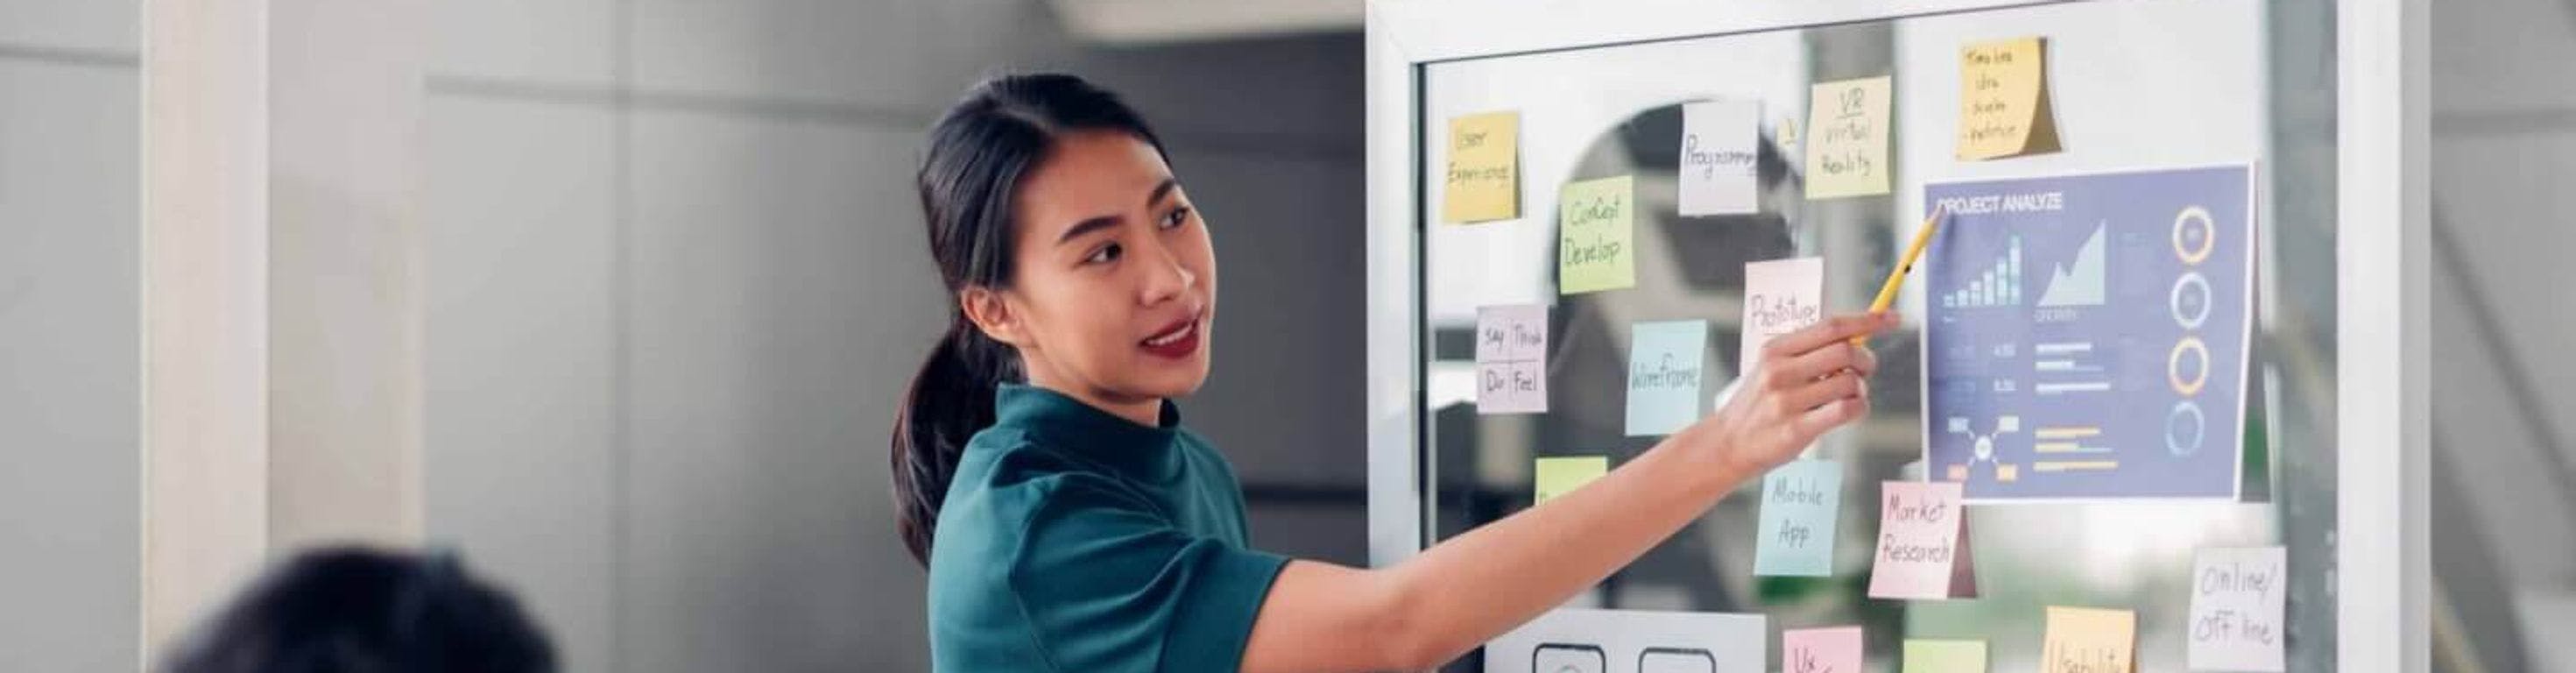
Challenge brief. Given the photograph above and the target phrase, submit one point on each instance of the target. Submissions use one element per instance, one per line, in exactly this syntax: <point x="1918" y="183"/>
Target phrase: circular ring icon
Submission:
<point x="2200" y="366"/>
<point x="2208" y="232"/>
<point x="2185" y="428"/>
<point x="2190" y="315"/>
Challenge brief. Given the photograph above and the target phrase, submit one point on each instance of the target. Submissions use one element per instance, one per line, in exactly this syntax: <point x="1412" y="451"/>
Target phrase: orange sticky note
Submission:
<point x="2088" y="640"/>
<point x="1484" y="171"/>
<point x="2003" y="99"/>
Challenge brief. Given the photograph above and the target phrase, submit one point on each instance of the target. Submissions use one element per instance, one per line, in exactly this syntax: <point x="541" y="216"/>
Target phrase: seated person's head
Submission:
<point x="352" y="610"/>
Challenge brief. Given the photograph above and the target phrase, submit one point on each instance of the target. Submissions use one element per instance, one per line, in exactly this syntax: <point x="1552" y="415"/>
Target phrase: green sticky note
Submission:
<point x="1559" y="476"/>
<point x="1595" y="222"/>
<point x="1945" y="656"/>
<point x="1799" y="502"/>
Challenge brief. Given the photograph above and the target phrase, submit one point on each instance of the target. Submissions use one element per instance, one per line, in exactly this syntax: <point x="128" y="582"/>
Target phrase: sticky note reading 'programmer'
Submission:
<point x="1719" y="149"/>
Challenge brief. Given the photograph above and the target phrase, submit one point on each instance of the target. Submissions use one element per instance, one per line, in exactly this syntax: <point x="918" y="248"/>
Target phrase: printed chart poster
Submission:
<point x="2085" y="335"/>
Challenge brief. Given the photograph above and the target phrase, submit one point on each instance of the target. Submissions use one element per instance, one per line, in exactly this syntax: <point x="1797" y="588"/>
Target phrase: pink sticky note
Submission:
<point x="1831" y="650"/>
<point x="1780" y="296"/>
<point x="1923" y="550"/>
<point x="1511" y="359"/>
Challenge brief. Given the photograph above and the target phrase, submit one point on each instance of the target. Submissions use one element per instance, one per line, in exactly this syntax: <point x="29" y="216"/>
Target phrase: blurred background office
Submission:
<point x="636" y="284"/>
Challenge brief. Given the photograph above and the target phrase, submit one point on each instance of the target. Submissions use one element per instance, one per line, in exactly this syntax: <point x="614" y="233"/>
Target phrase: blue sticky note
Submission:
<point x="1800" y="502"/>
<point x="1663" y="375"/>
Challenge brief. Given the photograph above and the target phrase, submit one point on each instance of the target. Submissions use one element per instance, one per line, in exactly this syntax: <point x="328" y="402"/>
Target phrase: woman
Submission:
<point x="1070" y="524"/>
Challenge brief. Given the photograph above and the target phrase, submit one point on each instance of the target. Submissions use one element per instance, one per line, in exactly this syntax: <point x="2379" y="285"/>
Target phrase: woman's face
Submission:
<point x="1115" y="281"/>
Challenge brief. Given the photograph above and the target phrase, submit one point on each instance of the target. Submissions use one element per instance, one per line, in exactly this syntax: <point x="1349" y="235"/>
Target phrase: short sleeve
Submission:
<point x="1109" y="583"/>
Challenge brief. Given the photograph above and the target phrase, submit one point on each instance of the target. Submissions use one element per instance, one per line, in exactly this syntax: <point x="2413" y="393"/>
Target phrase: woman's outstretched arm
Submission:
<point x="1466" y="590"/>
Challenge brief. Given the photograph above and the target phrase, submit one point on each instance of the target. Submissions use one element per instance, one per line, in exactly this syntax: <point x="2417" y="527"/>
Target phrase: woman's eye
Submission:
<point x="1176" y="217"/>
<point x="1106" y="254"/>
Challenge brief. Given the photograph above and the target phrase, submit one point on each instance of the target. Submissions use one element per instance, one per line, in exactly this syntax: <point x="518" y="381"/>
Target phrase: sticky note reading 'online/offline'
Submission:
<point x="1483" y="182"/>
<point x="2237" y="597"/>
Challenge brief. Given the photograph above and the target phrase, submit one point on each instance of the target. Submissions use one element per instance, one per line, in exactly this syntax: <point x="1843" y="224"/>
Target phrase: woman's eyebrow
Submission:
<point x="1097" y="223"/>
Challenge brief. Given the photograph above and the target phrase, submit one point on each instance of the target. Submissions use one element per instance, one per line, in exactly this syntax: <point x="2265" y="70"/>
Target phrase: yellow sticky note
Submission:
<point x="1945" y="656"/>
<point x="1847" y="134"/>
<point x="2088" y="640"/>
<point x="1559" y="476"/>
<point x="2003" y="99"/>
<point x="1484" y="176"/>
<point x="1595" y="221"/>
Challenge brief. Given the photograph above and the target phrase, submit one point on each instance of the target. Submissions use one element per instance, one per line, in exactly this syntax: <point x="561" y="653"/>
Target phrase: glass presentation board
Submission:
<point x="2225" y="90"/>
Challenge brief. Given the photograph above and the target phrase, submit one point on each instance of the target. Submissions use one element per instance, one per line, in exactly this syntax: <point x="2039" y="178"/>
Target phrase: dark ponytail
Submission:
<point x="978" y="153"/>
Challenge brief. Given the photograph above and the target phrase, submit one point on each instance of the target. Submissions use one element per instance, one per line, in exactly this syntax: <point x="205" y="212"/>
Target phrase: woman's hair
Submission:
<point x="350" y="610"/>
<point x="969" y="180"/>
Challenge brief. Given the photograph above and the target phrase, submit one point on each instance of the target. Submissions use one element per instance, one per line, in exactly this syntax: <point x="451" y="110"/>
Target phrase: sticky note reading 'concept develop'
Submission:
<point x="1800" y="502"/>
<point x="1945" y="656"/>
<point x="1511" y="359"/>
<point x="2087" y="640"/>
<point x="1847" y="135"/>
<point x="2237" y="597"/>
<point x="1561" y="475"/>
<point x="1719" y="140"/>
<point x="1595" y="221"/>
<point x="2003" y="99"/>
<point x="1828" y="650"/>
<point x="1923" y="549"/>
<point x="1484" y="176"/>
<point x="1780" y="296"/>
<point x="1664" y="361"/>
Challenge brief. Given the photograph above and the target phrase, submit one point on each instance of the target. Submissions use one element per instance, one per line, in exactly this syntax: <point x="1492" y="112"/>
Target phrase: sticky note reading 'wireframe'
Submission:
<point x="1847" y="135"/>
<point x="1719" y="148"/>
<point x="1800" y="502"/>
<point x="2003" y="99"/>
<point x="1561" y="475"/>
<point x="1511" y="359"/>
<point x="2237" y="597"/>
<point x="1945" y="656"/>
<point x="2088" y="640"/>
<point x="1664" y="366"/>
<point x="1595" y="223"/>
<point x="1827" y="650"/>
<point x="1923" y="550"/>
<point x="1483" y="182"/>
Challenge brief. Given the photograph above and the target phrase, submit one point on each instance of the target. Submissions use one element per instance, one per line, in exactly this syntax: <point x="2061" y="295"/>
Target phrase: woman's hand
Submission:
<point x="1807" y="382"/>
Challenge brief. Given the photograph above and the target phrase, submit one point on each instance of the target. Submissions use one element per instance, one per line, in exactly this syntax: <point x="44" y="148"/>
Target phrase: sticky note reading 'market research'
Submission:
<point x="1923" y="550"/>
<point x="1594" y="224"/>
<point x="2237" y="596"/>
<point x="2087" y="640"/>
<point x="1780" y="296"/>
<point x="1828" y="650"/>
<point x="1945" y="656"/>
<point x="1561" y="475"/>
<point x="1511" y="359"/>
<point x="2003" y="99"/>
<point x="1664" y="365"/>
<point x="1847" y="135"/>
<point x="1800" y="502"/>
<point x="1484" y="176"/>
<point x="1717" y="158"/>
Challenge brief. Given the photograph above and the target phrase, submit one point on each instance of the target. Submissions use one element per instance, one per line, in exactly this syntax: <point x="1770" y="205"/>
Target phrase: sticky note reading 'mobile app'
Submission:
<point x="1800" y="502"/>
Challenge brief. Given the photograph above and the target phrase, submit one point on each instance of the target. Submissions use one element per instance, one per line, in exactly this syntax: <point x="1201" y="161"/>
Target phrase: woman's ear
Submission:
<point x="986" y="308"/>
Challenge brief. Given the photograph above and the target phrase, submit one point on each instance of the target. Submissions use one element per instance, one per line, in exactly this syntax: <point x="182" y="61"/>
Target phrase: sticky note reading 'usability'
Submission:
<point x="1511" y="359"/>
<point x="1594" y="223"/>
<point x="1831" y="650"/>
<point x="2086" y="640"/>
<point x="1945" y="656"/>
<point x="1717" y="158"/>
<point x="1664" y="361"/>
<point x="1780" y="296"/>
<point x="1800" y="501"/>
<point x="2003" y="99"/>
<point x="1484" y="176"/>
<point x="1923" y="550"/>
<point x="2236" y="603"/>
<point x="1847" y="134"/>
<point x="1559" y="476"/>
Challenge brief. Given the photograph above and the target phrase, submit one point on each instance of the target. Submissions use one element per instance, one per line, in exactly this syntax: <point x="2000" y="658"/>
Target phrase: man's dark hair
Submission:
<point x="350" y="610"/>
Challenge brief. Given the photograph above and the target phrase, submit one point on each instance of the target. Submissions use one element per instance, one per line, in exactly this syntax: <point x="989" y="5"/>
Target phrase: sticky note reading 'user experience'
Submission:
<point x="1484" y="176"/>
<point x="1847" y="135"/>
<point x="2237" y="596"/>
<point x="2003" y="99"/>
<point x="1719" y="140"/>
<point x="1945" y="656"/>
<point x="1923" y="549"/>
<point x="1511" y="359"/>
<point x="2087" y="640"/>
<point x="1594" y="225"/>
<point x="1780" y="296"/>
<point x="1800" y="502"/>
<point x="1828" y="650"/>
<point x="1664" y="365"/>
<point x="1561" y="475"/>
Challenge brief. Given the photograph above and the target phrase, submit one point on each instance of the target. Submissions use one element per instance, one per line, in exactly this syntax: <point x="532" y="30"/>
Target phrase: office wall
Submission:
<point x="676" y="282"/>
<point x="69" y="335"/>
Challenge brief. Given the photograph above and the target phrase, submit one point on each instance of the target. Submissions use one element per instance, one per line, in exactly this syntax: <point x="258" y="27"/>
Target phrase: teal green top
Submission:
<point x="1076" y="540"/>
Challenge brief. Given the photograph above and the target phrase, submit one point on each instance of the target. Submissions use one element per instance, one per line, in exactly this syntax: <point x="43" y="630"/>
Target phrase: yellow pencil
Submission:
<point x="1896" y="276"/>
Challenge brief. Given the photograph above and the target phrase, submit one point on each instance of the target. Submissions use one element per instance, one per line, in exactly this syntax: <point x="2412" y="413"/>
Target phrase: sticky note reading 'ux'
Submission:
<point x="1511" y="359"/>
<point x="1561" y="475"/>
<point x="2237" y="596"/>
<point x="1594" y="224"/>
<point x="1847" y="135"/>
<point x="1923" y="550"/>
<point x="1483" y="182"/>
<point x="1945" y="656"/>
<point x="1664" y="361"/>
<point x="2087" y="640"/>
<point x="1829" y="650"/>
<point x="1800" y="502"/>
<point x="2003" y="99"/>
<point x="1719" y="141"/>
